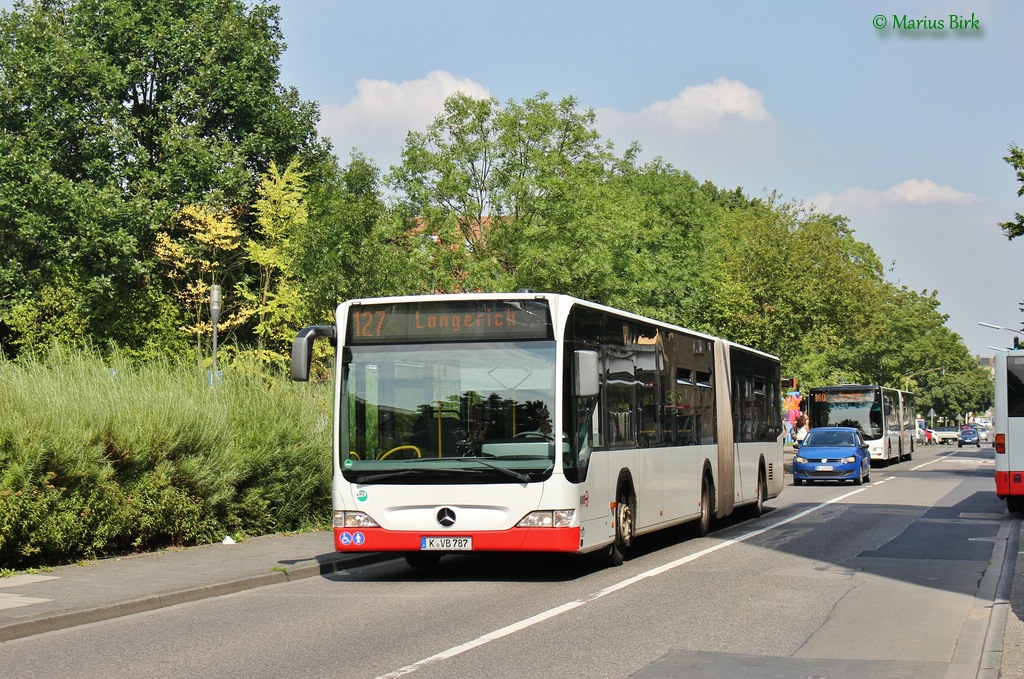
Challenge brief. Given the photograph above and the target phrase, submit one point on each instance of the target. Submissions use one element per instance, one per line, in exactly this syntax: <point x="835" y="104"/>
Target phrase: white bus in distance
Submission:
<point x="1009" y="428"/>
<point x="885" y="417"/>
<point x="537" y="422"/>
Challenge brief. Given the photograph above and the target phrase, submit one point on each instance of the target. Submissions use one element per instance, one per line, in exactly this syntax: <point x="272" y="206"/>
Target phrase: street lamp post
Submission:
<point x="214" y="317"/>
<point x="1016" y="340"/>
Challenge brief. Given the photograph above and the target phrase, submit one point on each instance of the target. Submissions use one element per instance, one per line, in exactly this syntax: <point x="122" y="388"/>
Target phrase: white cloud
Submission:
<point x="720" y="131"/>
<point x="915" y="191"/>
<point x="696" y="109"/>
<point x="377" y="119"/>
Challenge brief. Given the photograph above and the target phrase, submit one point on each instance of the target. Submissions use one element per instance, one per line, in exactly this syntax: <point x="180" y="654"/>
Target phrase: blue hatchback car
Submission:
<point x="832" y="454"/>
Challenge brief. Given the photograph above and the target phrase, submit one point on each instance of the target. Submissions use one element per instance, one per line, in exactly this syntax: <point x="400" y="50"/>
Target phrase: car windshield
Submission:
<point x="830" y="439"/>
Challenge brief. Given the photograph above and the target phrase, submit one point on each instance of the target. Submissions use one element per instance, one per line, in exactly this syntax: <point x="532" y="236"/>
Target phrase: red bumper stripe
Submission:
<point x="1009" y="483"/>
<point x="514" y="540"/>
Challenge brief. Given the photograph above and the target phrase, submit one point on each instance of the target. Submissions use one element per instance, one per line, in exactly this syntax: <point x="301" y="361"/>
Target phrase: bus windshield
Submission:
<point x="478" y="412"/>
<point x="860" y="409"/>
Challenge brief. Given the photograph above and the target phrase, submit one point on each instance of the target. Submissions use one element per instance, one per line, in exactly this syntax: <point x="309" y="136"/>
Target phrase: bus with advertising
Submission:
<point x="885" y="417"/>
<point x="1009" y="428"/>
<point x="537" y="422"/>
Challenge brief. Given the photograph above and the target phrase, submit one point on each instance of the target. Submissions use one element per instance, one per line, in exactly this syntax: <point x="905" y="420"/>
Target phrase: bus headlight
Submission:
<point x="343" y="519"/>
<point x="559" y="518"/>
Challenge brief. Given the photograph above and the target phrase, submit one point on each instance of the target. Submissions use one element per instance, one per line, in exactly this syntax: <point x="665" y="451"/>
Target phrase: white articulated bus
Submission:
<point x="537" y="422"/>
<point x="885" y="417"/>
<point x="1009" y="428"/>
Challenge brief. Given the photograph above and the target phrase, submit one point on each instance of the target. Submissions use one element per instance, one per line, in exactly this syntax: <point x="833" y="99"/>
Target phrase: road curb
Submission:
<point x="992" y="652"/>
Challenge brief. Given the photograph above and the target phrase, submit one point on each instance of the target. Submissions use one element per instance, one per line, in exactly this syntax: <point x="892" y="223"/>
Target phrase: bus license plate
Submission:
<point x="446" y="544"/>
<point x="824" y="468"/>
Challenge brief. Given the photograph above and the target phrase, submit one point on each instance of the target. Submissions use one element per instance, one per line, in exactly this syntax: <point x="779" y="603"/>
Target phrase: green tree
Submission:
<point x="113" y="114"/>
<point x="274" y="301"/>
<point x="201" y="252"/>
<point x="501" y="197"/>
<point x="1015" y="157"/>
<point x="342" y="252"/>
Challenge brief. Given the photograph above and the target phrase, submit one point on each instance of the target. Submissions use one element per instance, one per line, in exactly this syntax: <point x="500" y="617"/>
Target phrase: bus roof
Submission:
<point x="556" y="300"/>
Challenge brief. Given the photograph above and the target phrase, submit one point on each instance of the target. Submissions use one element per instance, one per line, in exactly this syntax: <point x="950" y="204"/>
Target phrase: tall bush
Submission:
<point x="102" y="456"/>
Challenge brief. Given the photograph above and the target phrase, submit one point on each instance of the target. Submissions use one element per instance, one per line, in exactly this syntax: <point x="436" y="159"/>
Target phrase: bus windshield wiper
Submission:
<point x="373" y="478"/>
<point x="518" y="476"/>
<point x="390" y="475"/>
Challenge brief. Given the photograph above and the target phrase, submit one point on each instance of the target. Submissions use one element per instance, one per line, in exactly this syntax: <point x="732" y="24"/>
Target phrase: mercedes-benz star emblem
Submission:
<point x="446" y="517"/>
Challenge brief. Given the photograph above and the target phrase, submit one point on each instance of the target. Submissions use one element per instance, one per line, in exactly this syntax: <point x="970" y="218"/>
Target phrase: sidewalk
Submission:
<point x="109" y="588"/>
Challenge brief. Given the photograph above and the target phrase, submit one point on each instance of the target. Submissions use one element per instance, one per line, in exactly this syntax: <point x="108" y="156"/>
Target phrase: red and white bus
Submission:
<point x="537" y="422"/>
<point x="886" y="417"/>
<point x="1009" y="428"/>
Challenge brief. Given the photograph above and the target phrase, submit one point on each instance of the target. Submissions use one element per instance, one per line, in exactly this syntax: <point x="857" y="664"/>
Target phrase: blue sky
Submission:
<point x="902" y="131"/>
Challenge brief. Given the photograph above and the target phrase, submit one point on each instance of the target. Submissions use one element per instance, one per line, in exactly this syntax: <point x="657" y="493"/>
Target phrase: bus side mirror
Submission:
<point x="302" y="349"/>
<point x="587" y="374"/>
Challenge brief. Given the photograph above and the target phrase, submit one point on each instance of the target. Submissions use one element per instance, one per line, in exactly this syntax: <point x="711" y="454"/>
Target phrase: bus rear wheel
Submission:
<point x="625" y="511"/>
<point x="757" y="509"/>
<point x="706" y="508"/>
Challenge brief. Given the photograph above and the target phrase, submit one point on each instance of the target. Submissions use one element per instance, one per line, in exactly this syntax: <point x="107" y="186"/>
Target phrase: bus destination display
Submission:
<point x="449" y="321"/>
<point x="843" y="396"/>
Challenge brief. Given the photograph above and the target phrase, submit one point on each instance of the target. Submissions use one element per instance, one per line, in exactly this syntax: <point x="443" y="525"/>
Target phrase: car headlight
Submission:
<point x="849" y="460"/>
<point x="800" y="459"/>
<point x="558" y="518"/>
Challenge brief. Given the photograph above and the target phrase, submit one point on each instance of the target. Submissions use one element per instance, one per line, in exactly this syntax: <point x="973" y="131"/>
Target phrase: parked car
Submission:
<point x="968" y="435"/>
<point x="982" y="432"/>
<point x="832" y="454"/>
<point x="946" y="434"/>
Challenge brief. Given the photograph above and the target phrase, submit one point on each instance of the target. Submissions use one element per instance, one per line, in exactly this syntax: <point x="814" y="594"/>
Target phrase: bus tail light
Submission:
<point x="559" y="518"/>
<point x="1001" y="443"/>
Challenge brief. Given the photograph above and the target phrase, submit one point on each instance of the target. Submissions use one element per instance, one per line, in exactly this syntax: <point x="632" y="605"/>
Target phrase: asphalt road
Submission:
<point x="893" y="579"/>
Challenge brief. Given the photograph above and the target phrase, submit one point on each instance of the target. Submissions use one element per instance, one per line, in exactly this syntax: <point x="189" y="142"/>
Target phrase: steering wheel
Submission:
<point x="397" y="448"/>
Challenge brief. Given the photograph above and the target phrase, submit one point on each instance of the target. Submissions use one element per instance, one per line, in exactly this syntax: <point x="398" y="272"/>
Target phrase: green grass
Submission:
<point x="102" y="456"/>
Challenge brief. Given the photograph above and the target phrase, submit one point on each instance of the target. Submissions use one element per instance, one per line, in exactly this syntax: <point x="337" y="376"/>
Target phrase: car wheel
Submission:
<point x="798" y="482"/>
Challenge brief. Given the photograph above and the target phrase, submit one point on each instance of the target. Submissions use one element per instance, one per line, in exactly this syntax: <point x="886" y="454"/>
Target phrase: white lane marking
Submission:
<point x="566" y="607"/>
<point x="938" y="459"/>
